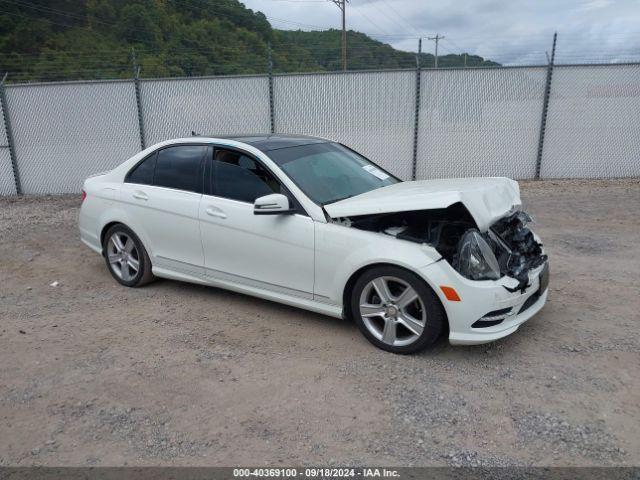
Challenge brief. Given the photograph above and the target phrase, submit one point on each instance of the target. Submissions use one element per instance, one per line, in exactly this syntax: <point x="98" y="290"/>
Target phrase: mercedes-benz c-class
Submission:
<point x="311" y="223"/>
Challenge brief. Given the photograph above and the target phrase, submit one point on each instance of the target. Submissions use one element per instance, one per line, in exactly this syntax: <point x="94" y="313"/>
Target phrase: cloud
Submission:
<point x="596" y="4"/>
<point x="508" y="31"/>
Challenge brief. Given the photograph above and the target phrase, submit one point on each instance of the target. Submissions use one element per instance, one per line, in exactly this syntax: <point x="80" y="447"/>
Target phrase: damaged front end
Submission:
<point x="516" y="248"/>
<point x="508" y="247"/>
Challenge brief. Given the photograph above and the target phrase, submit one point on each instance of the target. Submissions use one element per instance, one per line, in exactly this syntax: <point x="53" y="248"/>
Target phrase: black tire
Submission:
<point x="144" y="275"/>
<point x="434" y="322"/>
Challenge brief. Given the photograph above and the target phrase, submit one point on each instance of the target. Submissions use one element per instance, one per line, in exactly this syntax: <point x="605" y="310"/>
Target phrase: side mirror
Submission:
<point x="274" y="204"/>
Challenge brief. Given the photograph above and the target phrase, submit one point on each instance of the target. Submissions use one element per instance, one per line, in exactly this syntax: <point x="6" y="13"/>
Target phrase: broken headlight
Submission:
<point x="475" y="259"/>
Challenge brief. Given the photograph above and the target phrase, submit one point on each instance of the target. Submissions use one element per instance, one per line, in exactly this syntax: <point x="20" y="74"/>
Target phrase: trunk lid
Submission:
<point x="487" y="199"/>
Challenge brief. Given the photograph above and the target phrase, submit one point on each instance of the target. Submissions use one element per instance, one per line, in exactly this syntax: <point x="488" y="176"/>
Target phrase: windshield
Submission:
<point x="328" y="172"/>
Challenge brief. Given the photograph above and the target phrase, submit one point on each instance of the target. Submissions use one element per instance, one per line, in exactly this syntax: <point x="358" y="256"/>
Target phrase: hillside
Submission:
<point x="93" y="39"/>
<point x="363" y="52"/>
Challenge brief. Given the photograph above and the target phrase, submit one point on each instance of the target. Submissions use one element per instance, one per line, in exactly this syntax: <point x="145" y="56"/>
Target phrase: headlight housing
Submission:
<point x="475" y="259"/>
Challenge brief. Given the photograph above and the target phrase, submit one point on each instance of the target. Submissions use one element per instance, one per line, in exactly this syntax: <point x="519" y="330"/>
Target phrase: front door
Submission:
<point x="271" y="252"/>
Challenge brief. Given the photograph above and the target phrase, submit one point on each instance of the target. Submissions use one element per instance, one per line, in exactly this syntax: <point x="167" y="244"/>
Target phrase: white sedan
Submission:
<point x="311" y="223"/>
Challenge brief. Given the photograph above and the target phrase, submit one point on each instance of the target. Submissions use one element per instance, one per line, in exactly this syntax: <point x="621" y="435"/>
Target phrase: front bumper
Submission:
<point x="478" y="298"/>
<point x="479" y="336"/>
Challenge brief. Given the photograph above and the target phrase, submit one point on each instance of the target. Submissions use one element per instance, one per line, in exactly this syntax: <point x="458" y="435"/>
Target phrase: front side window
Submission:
<point x="328" y="172"/>
<point x="240" y="177"/>
<point x="179" y="167"/>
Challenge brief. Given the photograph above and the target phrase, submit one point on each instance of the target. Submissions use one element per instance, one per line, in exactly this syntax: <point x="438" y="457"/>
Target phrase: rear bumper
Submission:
<point x="89" y="242"/>
<point x="88" y="236"/>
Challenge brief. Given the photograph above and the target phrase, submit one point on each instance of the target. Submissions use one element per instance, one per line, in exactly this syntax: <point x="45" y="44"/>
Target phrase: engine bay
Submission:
<point x="509" y="247"/>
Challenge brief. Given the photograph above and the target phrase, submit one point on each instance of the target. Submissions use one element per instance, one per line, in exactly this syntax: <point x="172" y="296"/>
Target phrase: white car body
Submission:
<point x="305" y="260"/>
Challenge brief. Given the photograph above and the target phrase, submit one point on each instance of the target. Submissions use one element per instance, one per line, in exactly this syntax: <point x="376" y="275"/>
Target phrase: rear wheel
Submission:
<point x="126" y="257"/>
<point x="396" y="310"/>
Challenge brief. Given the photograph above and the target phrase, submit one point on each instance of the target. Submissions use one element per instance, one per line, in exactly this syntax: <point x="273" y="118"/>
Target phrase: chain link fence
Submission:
<point x="371" y="112"/>
<point x="62" y="133"/>
<point x="593" y="125"/>
<point x="416" y="123"/>
<point x="7" y="183"/>
<point x="174" y="108"/>
<point x="481" y="122"/>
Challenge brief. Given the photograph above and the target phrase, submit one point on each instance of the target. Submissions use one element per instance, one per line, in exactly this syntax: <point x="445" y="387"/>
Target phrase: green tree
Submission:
<point x="93" y="39"/>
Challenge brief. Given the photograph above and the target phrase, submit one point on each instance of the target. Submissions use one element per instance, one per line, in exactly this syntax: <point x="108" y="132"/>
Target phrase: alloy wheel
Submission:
<point x="123" y="256"/>
<point x="392" y="311"/>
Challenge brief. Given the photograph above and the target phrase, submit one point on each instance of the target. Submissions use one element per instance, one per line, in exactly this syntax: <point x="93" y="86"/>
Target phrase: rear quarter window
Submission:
<point x="142" y="173"/>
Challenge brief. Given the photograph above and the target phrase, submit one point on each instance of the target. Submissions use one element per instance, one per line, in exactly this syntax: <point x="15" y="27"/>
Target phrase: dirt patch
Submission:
<point x="92" y="373"/>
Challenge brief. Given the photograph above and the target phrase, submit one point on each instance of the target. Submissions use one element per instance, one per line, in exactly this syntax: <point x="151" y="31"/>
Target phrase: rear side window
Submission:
<point x="179" y="167"/>
<point x="240" y="177"/>
<point x="143" y="172"/>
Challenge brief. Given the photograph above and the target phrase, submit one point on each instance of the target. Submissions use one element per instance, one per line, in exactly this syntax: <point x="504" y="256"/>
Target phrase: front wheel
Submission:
<point x="396" y="310"/>
<point x="126" y="257"/>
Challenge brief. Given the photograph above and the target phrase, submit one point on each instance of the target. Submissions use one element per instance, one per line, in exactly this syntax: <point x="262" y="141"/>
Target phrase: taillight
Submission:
<point x="84" y="195"/>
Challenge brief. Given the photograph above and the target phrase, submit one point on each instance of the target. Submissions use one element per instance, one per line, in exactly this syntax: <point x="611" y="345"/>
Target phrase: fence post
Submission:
<point x="271" y="113"/>
<point x="417" y="113"/>
<point x="136" y="83"/>
<point x="545" y="107"/>
<point x="9" y="132"/>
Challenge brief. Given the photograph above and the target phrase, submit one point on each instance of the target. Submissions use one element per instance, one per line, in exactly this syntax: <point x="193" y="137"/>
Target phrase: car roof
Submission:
<point x="267" y="142"/>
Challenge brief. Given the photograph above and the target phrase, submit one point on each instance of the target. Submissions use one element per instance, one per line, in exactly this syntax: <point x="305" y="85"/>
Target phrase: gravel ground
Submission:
<point x="92" y="373"/>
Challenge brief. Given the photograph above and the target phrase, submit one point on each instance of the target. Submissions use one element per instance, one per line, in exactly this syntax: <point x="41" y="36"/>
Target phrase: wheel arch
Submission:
<point x="108" y="225"/>
<point x="104" y="231"/>
<point x="348" y="289"/>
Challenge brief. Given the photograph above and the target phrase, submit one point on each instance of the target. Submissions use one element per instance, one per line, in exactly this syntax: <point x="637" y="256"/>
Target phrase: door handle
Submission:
<point x="140" y="195"/>
<point x="215" y="212"/>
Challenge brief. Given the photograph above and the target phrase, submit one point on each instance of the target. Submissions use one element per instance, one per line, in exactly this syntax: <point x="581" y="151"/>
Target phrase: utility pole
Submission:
<point x="437" y="38"/>
<point x="342" y="4"/>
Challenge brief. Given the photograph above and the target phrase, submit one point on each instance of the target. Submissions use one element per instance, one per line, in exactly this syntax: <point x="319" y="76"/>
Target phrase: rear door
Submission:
<point x="272" y="252"/>
<point x="164" y="193"/>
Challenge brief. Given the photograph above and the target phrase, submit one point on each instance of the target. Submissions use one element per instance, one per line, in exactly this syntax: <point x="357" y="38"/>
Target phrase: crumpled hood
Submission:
<point x="487" y="199"/>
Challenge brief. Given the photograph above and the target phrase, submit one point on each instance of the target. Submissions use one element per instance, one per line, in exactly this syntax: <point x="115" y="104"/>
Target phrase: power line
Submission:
<point x="70" y="15"/>
<point x="386" y="17"/>
<point x="122" y="59"/>
<point x="301" y="1"/>
<point x="315" y="48"/>
<point x="393" y="10"/>
<point x="376" y="25"/>
<point x="218" y="50"/>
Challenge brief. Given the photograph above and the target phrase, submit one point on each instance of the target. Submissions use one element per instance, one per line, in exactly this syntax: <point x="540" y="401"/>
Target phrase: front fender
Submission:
<point x="341" y="251"/>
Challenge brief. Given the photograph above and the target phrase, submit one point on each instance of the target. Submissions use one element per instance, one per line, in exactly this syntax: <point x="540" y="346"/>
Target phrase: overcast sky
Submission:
<point x="508" y="31"/>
